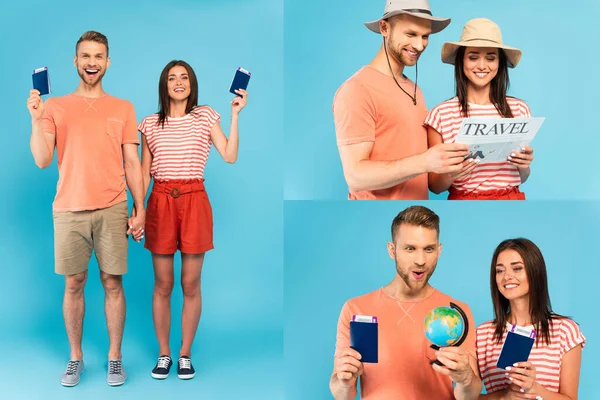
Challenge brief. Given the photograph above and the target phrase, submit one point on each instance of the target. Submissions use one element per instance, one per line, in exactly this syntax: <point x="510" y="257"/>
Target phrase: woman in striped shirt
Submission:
<point x="481" y="64"/>
<point x="520" y="296"/>
<point x="175" y="146"/>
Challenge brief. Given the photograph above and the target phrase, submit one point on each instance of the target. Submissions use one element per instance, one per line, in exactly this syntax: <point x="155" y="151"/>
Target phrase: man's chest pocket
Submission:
<point x="114" y="128"/>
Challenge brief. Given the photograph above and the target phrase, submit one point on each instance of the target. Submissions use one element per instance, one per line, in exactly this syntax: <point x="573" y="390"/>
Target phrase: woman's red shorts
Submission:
<point x="179" y="217"/>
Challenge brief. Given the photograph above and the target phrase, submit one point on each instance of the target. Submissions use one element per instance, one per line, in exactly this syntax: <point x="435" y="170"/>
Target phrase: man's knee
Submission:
<point x="74" y="284"/>
<point x="113" y="284"/>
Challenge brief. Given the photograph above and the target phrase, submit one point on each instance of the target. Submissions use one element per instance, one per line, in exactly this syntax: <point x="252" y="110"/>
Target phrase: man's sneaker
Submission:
<point x="163" y="366"/>
<point x="185" y="370"/>
<point x="116" y="373"/>
<point x="72" y="374"/>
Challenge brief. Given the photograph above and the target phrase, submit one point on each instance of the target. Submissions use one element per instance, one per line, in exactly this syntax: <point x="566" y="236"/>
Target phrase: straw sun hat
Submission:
<point x="416" y="8"/>
<point x="480" y="32"/>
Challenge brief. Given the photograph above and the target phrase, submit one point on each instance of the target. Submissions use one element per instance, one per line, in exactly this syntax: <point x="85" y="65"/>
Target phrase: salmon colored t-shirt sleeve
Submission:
<point x="354" y="114"/>
<point x="130" y="133"/>
<point x="48" y="124"/>
<point x="342" y="341"/>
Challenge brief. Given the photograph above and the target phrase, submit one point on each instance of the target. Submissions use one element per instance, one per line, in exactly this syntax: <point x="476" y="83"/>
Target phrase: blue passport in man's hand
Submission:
<point x="364" y="337"/>
<point x="517" y="346"/>
<point x="41" y="80"/>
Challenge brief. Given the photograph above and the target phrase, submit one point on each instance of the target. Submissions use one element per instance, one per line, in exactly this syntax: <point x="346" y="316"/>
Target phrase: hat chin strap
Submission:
<point x="413" y="97"/>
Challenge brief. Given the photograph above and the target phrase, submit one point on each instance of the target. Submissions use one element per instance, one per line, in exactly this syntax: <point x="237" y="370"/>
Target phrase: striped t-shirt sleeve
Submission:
<point x="212" y="116"/>
<point x="207" y="115"/>
<point x="433" y="120"/>
<point x="570" y="336"/>
<point x="142" y="126"/>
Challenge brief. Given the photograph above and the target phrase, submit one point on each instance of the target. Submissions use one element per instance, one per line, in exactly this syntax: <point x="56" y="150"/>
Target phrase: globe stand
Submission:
<point x="459" y="341"/>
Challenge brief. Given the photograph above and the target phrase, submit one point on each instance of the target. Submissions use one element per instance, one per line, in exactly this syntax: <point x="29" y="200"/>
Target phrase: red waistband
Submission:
<point x="177" y="187"/>
<point x="513" y="190"/>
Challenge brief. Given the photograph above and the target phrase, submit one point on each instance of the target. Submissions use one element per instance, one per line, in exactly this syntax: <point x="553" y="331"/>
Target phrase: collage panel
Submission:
<point x="363" y="136"/>
<point x="349" y="284"/>
<point x="217" y="206"/>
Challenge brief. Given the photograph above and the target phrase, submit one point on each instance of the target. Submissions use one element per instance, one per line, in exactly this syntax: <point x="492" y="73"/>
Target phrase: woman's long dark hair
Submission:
<point x="498" y="89"/>
<point x="540" y="309"/>
<point x="164" y="101"/>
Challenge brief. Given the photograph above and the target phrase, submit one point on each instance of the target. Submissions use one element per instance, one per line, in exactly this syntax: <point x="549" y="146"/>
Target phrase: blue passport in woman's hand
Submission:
<point x="517" y="346"/>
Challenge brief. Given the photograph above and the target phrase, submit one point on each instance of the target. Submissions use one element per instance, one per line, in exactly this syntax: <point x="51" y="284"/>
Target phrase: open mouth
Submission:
<point x="481" y="75"/>
<point x="511" y="286"/>
<point x="91" y="72"/>
<point x="179" y="90"/>
<point x="418" y="275"/>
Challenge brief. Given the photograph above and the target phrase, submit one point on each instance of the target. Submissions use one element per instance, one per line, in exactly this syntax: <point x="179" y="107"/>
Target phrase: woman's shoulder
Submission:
<point x="486" y="328"/>
<point x="518" y="104"/>
<point x="448" y="105"/>
<point x="146" y="126"/>
<point x="515" y="100"/>
<point x="564" y="324"/>
<point x="152" y="118"/>
<point x="200" y="111"/>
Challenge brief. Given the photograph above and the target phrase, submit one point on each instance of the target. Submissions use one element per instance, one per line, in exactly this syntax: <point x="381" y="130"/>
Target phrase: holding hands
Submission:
<point x="136" y="223"/>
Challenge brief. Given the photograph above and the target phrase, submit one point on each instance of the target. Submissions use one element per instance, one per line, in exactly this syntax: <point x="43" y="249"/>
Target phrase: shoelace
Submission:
<point x="185" y="363"/>
<point x="163" y="362"/>
<point x="72" y="367"/>
<point x="114" y="367"/>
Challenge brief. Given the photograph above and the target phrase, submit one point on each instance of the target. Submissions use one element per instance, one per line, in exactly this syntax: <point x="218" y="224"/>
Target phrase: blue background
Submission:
<point x="337" y="250"/>
<point x="238" y="347"/>
<point x="326" y="43"/>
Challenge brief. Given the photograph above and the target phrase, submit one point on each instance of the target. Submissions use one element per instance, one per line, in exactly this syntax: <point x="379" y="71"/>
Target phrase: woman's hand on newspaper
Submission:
<point x="468" y="166"/>
<point x="521" y="159"/>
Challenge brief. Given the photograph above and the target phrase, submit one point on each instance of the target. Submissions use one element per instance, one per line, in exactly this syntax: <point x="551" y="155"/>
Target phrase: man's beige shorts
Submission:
<point x="77" y="233"/>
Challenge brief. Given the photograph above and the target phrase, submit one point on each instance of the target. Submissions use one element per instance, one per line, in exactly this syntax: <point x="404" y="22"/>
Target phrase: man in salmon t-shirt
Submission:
<point x="403" y="370"/>
<point x="379" y="113"/>
<point x="95" y="136"/>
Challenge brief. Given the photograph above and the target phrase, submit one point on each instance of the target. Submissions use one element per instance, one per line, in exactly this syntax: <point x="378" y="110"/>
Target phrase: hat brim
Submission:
<point x="449" y="50"/>
<point x="438" y="24"/>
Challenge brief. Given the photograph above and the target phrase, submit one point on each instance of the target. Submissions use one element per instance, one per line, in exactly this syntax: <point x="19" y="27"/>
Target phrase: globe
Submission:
<point x="444" y="326"/>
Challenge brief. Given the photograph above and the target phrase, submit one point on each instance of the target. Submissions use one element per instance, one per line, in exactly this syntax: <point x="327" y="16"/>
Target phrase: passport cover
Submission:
<point x="364" y="339"/>
<point x="41" y="81"/>
<point x="240" y="81"/>
<point x="516" y="348"/>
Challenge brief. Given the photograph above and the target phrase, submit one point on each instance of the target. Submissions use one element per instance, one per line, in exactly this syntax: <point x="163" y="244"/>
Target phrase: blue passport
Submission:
<point x="364" y="337"/>
<point x="517" y="346"/>
<point x="41" y="80"/>
<point x="240" y="80"/>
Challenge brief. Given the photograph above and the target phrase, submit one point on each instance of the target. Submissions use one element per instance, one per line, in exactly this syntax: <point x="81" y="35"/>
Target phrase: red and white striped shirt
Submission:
<point x="547" y="359"/>
<point x="180" y="149"/>
<point x="446" y="119"/>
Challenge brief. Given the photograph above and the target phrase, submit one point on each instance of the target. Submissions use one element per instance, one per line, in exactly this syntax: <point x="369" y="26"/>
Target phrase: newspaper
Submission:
<point x="493" y="139"/>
